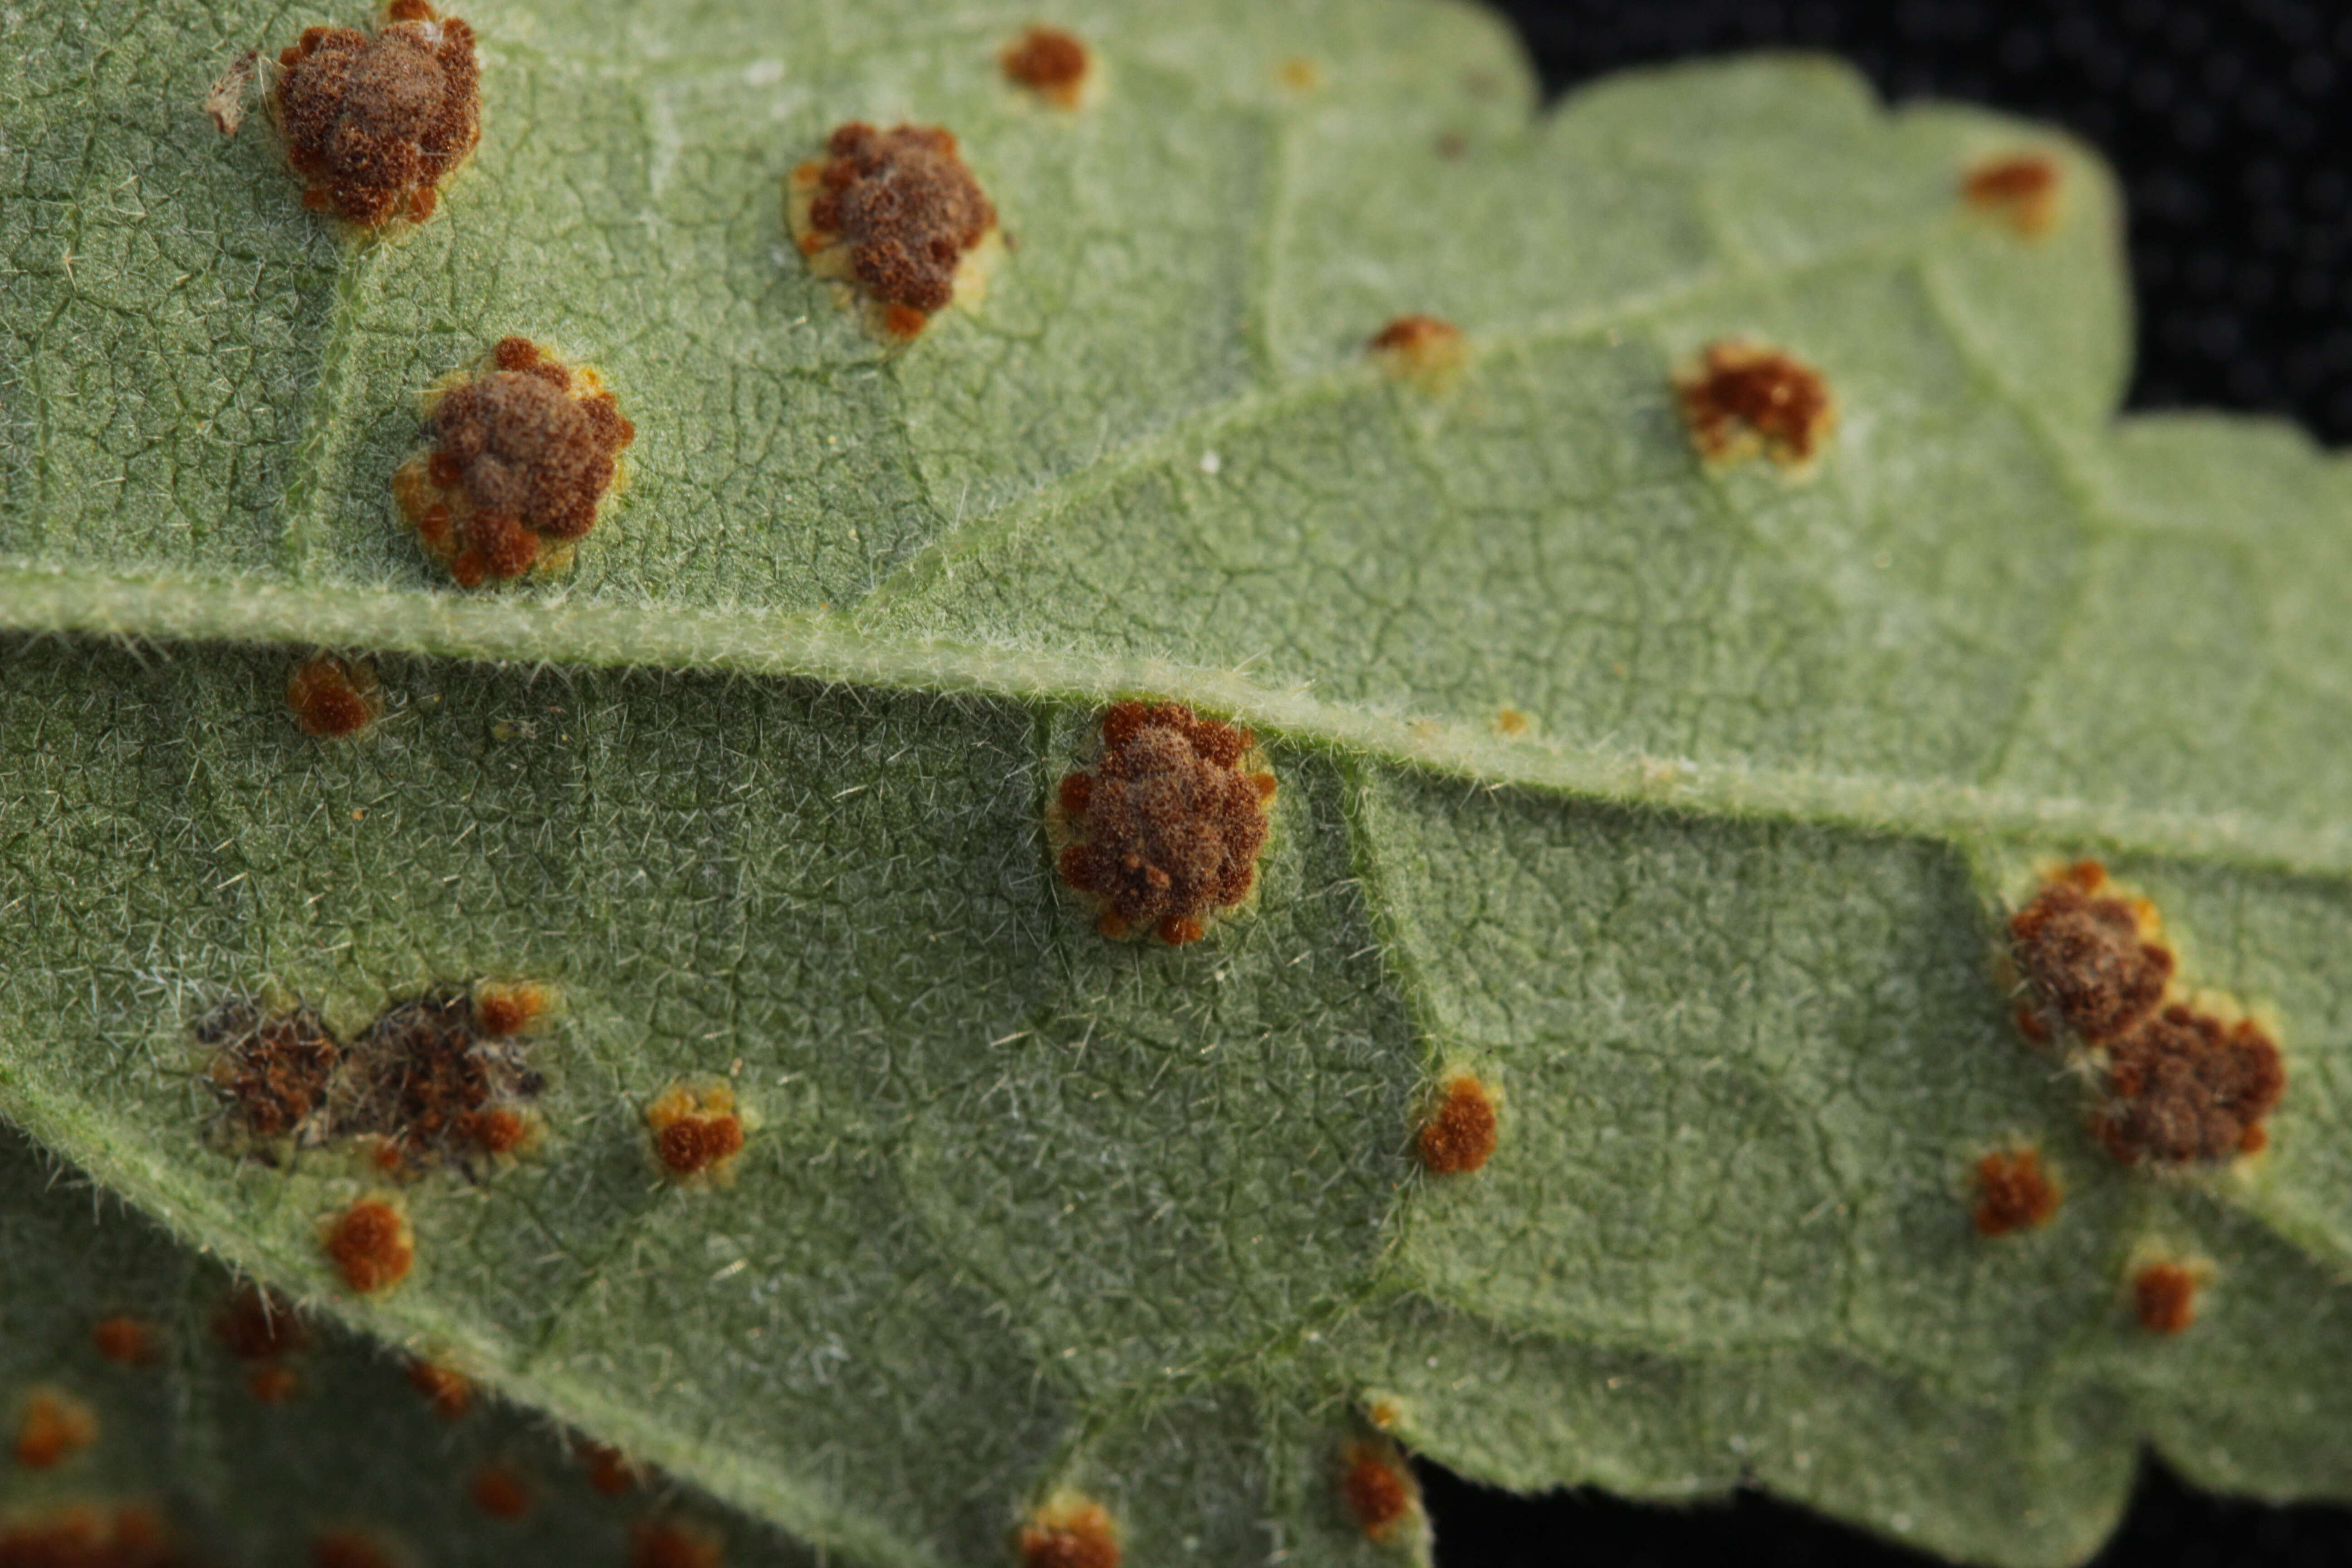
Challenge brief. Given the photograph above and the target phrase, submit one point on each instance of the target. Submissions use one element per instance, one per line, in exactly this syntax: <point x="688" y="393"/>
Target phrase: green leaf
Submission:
<point x="759" y="786"/>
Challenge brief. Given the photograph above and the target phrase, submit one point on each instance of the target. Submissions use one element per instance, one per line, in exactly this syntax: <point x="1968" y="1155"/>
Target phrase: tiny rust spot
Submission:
<point x="1423" y="350"/>
<point x="697" y="1131"/>
<point x="79" y="1536"/>
<point x="501" y="1491"/>
<point x="1380" y="1490"/>
<point x="53" y="1427"/>
<point x="2165" y="1296"/>
<point x="272" y="1384"/>
<point x="450" y="1392"/>
<point x="373" y="126"/>
<point x="896" y="215"/>
<point x="1300" y="74"/>
<point x="526" y="448"/>
<point x="351" y="1549"/>
<point x="1384" y="1413"/>
<point x="1070" y="1533"/>
<point x="2019" y="188"/>
<point x="256" y="1325"/>
<point x="1739" y="396"/>
<point x="674" y="1543"/>
<point x="2013" y="1193"/>
<point x="2093" y="964"/>
<point x="1457" y="1134"/>
<point x="127" y="1341"/>
<point x="1051" y="63"/>
<point x="371" y="1245"/>
<point x="330" y="698"/>
<point x="503" y="1010"/>
<point x="1165" y="833"/>
<point x="225" y="100"/>
<point x="611" y="1472"/>
<point x="1511" y="721"/>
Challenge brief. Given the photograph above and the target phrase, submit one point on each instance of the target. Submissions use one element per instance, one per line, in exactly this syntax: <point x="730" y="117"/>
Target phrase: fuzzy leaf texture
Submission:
<point x="759" y="787"/>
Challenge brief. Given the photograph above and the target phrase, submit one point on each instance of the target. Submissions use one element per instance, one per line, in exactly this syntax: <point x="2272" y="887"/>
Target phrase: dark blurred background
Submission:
<point x="2229" y="127"/>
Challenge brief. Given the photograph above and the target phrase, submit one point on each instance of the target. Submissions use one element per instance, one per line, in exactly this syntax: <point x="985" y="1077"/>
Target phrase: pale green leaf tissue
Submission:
<point x="759" y="788"/>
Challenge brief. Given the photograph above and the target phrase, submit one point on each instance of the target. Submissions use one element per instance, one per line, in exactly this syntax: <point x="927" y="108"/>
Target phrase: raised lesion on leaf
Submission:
<point x="2179" y="1080"/>
<point x="1459" y="1126"/>
<point x="1739" y="398"/>
<point x="127" y="1340"/>
<point x="84" y="1535"/>
<point x="1071" y="1531"/>
<point x="675" y="1543"/>
<point x="1163" y="834"/>
<point x="501" y="1491"/>
<point x="697" y="1131"/>
<point x="1426" y="350"/>
<point x="2164" y="1293"/>
<point x="352" y="1548"/>
<point x="1054" y="64"/>
<point x="2019" y="189"/>
<point x="447" y="1390"/>
<point x="526" y="449"/>
<point x="2014" y="1191"/>
<point x="1380" y="1490"/>
<point x="333" y="699"/>
<point x="262" y="1330"/>
<point x="896" y="216"/>
<point x="376" y="124"/>
<point x="52" y="1427"/>
<point x="370" y="1244"/>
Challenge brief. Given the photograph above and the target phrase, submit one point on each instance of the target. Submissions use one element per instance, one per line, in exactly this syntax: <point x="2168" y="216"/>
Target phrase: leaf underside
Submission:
<point x="759" y="785"/>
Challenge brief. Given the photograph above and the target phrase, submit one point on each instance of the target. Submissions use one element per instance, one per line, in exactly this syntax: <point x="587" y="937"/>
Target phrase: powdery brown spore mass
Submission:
<point x="370" y="1246"/>
<point x="1379" y="1492"/>
<point x="2165" y="1297"/>
<point x="2021" y="188"/>
<point x="1070" y="1535"/>
<point x="2087" y="956"/>
<point x="1049" y="62"/>
<point x="2013" y="1193"/>
<point x="896" y="212"/>
<point x="2187" y="1087"/>
<point x="1741" y="396"/>
<point x="1167" y="826"/>
<point x="330" y="699"/>
<point x="1458" y="1135"/>
<point x="696" y="1132"/>
<point x="376" y="124"/>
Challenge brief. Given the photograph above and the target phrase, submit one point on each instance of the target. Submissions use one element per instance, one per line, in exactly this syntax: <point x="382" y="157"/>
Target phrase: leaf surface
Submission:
<point x="759" y="786"/>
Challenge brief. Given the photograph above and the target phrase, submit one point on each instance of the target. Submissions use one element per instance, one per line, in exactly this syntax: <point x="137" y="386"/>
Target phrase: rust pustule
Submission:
<point x="2185" y="1086"/>
<point x="374" y="125"/>
<point x="2020" y="189"/>
<point x="1051" y="63"/>
<point x="81" y="1536"/>
<point x="697" y="1131"/>
<point x="1458" y="1131"/>
<point x="371" y="1245"/>
<point x="674" y="1543"/>
<point x="330" y="699"/>
<point x="1379" y="1492"/>
<point x="2164" y="1296"/>
<point x="895" y="214"/>
<point x="272" y="1071"/>
<point x="500" y="1492"/>
<point x="449" y="1391"/>
<point x="127" y="1341"/>
<point x="2093" y="961"/>
<point x="1165" y="831"/>
<point x="1070" y="1533"/>
<point x="52" y="1427"/>
<point x="2013" y="1193"/>
<point x="1740" y="397"/>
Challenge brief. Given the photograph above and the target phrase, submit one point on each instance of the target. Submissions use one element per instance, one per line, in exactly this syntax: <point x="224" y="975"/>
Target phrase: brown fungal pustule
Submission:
<point x="2186" y="1087"/>
<point x="2019" y="188"/>
<point x="611" y="1473"/>
<point x="330" y="699"/>
<point x="127" y="1341"/>
<point x="1457" y="1132"/>
<point x="80" y="1536"/>
<point x="350" y="1549"/>
<point x="256" y="1325"/>
<point x="271" y="1071"/>
<point x="1051" y="63"/>
<point x="2091" y="961"/>
<point x="697" y="1131"/>
<point x="52" y="1427"/>
<point x="449" y="1391"/>
<point x="1423" y="350"/>
<point x="2164" y="1295"/>
<point x="1165" y="832"/>
<point x="674" y="1543"/>
<point x="1739" y="398"/>
<point x="1070" y="1533"/>
<point x="1379" y="1492"/>
<point x="374" y="125"/>
<point x="370" y="1245"/>
<point x="503" y="1010"/>
<point x="273" y="1384"/>
<point x="430" y="1080"/>
<point x="501" y="1491"/>
<point x="525" y="451"/>
<point x="2013" y="1193"/>
<point x="895" y="213"/>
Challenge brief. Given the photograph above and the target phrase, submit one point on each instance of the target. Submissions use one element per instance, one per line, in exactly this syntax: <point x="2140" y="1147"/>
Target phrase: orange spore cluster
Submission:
<point x="667" y="1544"/>
<point x="525" y="452"/>
<point x="1070" y="1535"/>
<point x="697" y="1131"/>
<point x="127" y="1341"/>
<point x="1457" y="1135"/>
<point x="330" y="698"/>
<point x="1166" y="830"/>
<point x="2165" y="1297"/>
<point x="2013" y="1193"/>
<point x="370" y="1245"/>
<point x="501" y="1492"/>
<point x="52" y="1428"/>
<point x="894" y="212"/>
<point x="84" y="1537"/>
<point x="1049" y="62"/>
<point x="375" y="124"/>
<point x="2178" y="1085"/>
<point x="349" y="1549"/>
<point x="450" y="1392"/>
<point x="1380" y="1493"/>
<point x="611" y="1473"/>
<point x="256" y="1325"/>
<point x="2021" y="188"/>
<point x="271" y="1072"/>
<point x="1419" y="347"/>
<point x="1741" y="396"/>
